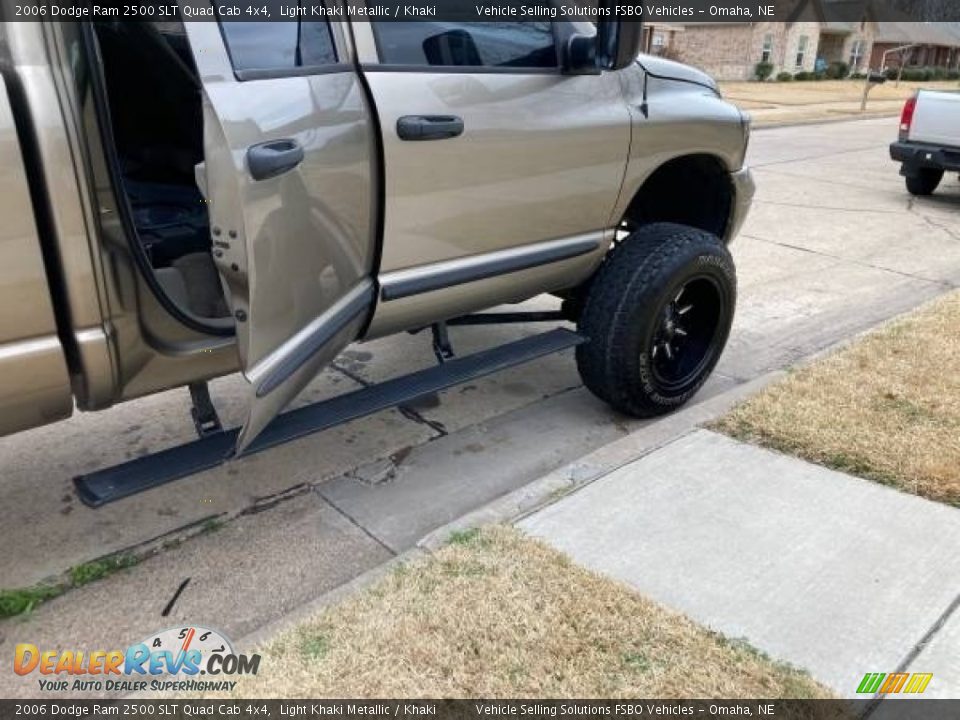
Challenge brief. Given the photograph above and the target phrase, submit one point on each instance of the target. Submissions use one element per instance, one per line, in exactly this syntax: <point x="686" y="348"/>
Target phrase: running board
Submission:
<point x="104" y="486"/>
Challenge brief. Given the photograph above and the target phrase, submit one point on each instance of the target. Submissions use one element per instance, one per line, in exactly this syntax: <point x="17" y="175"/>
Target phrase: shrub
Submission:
<point x="803" y="75"/>
<point x="763" y="70"/>
<point x="939" y="73"/>
<point x="784" y="77"/>
<point x="837" y="70"/>
<point x="858" y="76"/>
<point x="953" y="75"/>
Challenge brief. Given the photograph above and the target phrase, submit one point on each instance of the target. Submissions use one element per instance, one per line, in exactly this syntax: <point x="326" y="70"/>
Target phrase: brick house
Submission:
<point x="934" y="45"/>
<point x="821" y="30"/>
<point x="731" y="50"/>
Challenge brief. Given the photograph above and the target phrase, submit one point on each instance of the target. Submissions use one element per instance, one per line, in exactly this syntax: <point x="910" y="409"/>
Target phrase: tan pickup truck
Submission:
<point x="186" y="199"/>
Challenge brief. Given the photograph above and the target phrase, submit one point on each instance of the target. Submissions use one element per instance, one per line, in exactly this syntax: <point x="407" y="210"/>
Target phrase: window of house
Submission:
<point x="856" y="54"/>
<point x="659" y="43"/>
<point x="469" y="44"/>
<point x="767" y="54"/>
<point x="802" y="50"/>
<point x="279" y="46"/>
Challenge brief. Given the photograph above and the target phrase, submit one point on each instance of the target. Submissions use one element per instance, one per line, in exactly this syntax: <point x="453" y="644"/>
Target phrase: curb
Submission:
<point x="528" y="499"/>
<point x="559" y="483"/>
<point x="288" y="621"/>
<point x="601" y="462"/>
<point x="822" y="121"/>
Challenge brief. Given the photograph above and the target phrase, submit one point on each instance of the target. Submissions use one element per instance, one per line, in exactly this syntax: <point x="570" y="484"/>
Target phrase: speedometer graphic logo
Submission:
<point x="200" y="642"/>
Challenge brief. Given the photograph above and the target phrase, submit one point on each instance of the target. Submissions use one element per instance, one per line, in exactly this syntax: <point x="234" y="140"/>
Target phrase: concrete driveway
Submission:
<point x="834" y="246"/>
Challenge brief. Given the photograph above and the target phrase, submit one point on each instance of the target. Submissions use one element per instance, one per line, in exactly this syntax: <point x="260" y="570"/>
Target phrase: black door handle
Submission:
<point x="429" y="127"/>
<point x="269" y="159"/>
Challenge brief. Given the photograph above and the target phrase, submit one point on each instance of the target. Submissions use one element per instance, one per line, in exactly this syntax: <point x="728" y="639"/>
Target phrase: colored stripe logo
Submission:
<point x="883" y="683"/>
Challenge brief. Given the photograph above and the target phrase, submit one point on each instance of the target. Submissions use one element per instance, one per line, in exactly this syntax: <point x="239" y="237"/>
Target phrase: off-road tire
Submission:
<point x="924" y="182"/>
<point x="630" y="300"/>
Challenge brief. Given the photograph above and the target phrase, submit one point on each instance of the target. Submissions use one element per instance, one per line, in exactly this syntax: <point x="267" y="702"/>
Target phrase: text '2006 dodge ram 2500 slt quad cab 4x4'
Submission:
<point x="185" y="199"/>
<point x="929" y="142"/>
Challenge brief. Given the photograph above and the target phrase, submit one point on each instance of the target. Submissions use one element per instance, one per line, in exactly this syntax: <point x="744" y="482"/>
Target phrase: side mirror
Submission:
<point x="580" y="57"/>
<point x="618" y="42"/>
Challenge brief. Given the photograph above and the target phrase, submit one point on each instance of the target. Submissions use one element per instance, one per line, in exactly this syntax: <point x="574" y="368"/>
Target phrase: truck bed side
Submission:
<point x="936" y="120"/>
<point x="34" y="382"/>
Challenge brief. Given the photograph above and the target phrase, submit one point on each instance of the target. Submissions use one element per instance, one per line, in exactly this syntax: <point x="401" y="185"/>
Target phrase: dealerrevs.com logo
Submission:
<point x="171" y="660"/>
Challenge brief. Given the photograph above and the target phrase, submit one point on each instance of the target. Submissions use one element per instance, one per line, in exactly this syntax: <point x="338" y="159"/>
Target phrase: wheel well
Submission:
<point x="692" y="190"/>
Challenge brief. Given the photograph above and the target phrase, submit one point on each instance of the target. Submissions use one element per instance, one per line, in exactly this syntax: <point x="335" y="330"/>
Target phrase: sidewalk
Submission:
<point x="836" y="575"/>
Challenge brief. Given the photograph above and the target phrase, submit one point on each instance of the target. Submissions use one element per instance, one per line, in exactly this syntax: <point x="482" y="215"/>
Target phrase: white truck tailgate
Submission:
<point x="937" y="118"/>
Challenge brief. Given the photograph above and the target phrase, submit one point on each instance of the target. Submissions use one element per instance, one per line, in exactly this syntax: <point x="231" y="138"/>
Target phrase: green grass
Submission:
<point x="213" y="524"/>
<point x="18" y="601"/>
<point x="315" y="647"/>
<point x="464" y="537"/>
<point x="98" y="569"/>
<point x="22" y="600"/>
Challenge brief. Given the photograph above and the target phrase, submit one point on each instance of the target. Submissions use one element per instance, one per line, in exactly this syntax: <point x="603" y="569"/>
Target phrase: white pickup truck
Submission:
<point x="929" y="143"/>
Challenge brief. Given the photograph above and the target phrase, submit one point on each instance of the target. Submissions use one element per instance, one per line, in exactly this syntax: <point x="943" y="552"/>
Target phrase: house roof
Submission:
<point x="921" y="33"/>
<point x="844" y="14"/>
<point x="843" y="28"/>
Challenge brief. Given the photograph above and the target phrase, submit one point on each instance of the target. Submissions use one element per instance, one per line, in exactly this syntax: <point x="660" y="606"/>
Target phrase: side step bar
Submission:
<point x="104" y="486"/>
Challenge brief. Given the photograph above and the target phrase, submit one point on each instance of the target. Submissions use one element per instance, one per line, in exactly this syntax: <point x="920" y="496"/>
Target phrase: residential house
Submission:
<point x="916" y="45"/>
<point x="731" y="50"/>
<point x="821" y="32"/>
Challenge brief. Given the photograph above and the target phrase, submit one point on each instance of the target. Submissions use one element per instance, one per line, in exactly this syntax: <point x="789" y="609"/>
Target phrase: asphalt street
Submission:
<point x="834" y="245"/>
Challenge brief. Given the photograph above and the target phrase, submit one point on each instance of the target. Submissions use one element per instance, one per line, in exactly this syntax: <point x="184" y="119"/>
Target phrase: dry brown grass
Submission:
<point x="498" y="615"/>
<point x="886" y="408"/>
<point x="822" y="91"/>
<point x="771" y="104"/>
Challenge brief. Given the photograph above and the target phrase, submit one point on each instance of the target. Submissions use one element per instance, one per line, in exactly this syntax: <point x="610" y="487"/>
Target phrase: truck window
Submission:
<point x="281" y="46"/>
<point x="508" y="45"/>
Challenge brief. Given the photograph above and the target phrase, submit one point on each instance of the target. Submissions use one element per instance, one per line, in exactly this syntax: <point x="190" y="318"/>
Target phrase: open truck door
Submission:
<point x="289" y="177"/>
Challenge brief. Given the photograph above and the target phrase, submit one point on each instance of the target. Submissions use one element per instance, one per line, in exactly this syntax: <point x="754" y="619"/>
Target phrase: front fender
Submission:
<point x="674" y="118"/>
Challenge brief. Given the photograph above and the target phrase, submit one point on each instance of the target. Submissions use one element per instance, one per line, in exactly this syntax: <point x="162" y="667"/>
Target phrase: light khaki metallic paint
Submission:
<point x="297" y="244"/>
<point x="126" y="345"/>
<point x="27" y="44"/>
<point x="422" y="309"/>
<point x="149" y="350"/>
<point x="682" y="119"/>
<point x="542" y="158"/>
<point x="35" y="387"/>
<point x="129" y="346"/>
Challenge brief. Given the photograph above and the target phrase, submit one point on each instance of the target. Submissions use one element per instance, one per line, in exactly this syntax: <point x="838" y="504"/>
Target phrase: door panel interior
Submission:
<point x="289" y="179"/>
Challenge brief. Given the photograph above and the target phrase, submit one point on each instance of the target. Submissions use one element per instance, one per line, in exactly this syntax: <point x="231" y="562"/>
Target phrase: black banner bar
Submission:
<point x="889" y="709"/>
<point x="672" y="11"/>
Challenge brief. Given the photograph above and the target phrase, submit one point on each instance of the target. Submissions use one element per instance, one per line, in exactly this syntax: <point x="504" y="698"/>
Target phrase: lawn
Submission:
<point x="785" y="103"/>
<point x="498" y="615"/>
<point x="885" y="408"/>
<point x="823" y="91"/>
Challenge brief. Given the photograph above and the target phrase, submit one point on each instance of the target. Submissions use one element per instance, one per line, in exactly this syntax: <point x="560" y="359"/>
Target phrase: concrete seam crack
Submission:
<point x="915" y="651"/>
<point x="353" y="521"/>
<point x="933" y="223"/>
<point x="830" y="209"/>
<point x="798" y="248"/>
<point x="350" y="374"/>
<point x="817" y="179"/>
<point x="405" y="410"/>
<point x="816" y="157"/>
